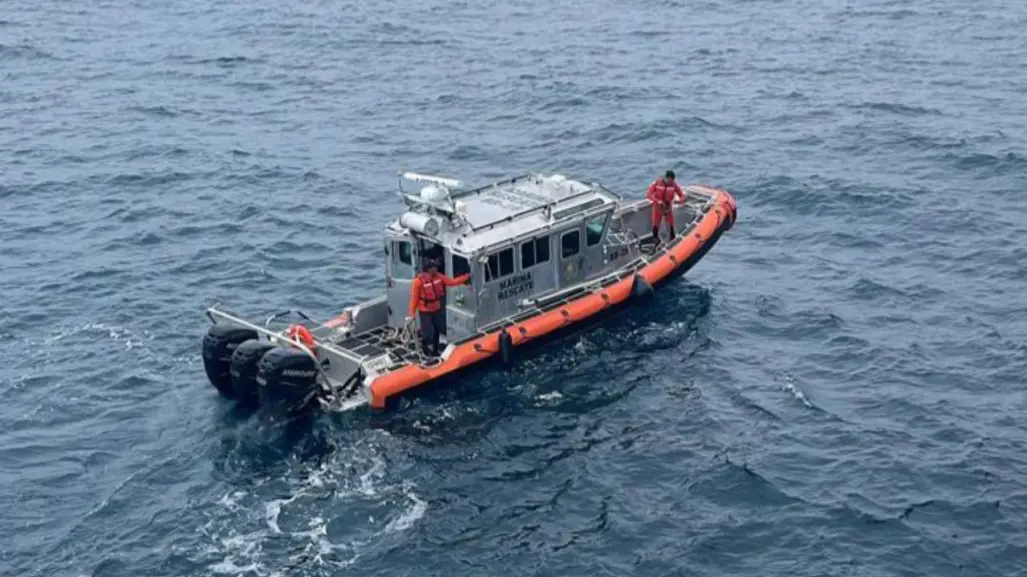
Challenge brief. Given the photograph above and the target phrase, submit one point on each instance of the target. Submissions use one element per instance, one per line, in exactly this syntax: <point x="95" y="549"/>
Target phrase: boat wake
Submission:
<point x="325" y="519"/>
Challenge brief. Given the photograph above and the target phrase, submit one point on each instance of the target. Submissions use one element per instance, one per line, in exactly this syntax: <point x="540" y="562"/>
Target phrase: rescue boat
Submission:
<point x="546" y="254"/>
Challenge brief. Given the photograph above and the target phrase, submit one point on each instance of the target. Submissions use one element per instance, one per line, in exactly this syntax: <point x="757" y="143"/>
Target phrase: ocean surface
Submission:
<point x="837" y="389"/>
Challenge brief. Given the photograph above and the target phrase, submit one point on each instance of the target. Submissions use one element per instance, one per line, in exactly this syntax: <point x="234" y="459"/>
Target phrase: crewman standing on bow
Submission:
<point x="426" y="292"/>
<point x="661" y="193"/>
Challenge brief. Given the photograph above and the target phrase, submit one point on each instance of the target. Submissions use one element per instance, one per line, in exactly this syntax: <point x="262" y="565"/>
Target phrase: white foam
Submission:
<point x="789" y="385"/>
<point x="240" y="555"/>
<point x="407" y="519"/>
<point x="228" y="566"/>
<point x="272" y="510"/>
<point x="349" y="404"/>
<point x="231" y="500"/>
<point x="235" y="552"/>
<point x="550" y="397"/>
<point x="130" y="339"/>
<point x="367" y="486"/>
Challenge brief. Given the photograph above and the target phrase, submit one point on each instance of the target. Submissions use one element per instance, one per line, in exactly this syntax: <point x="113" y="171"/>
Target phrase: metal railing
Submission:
<point x="215" y="314"/>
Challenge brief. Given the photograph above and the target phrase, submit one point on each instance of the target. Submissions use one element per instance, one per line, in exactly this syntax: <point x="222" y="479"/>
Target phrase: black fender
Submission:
<point x="506" y="347"/>
<point x="640" y="288"/>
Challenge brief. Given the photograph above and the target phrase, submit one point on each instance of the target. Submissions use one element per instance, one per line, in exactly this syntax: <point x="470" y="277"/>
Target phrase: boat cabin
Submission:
<point x="519" y="239"/>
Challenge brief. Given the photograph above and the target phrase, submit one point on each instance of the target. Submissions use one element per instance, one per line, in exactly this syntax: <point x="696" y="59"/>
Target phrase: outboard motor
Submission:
<point x="244" y="372"/>
<point x="287" y="381"/>
<point x="219" y="344"/>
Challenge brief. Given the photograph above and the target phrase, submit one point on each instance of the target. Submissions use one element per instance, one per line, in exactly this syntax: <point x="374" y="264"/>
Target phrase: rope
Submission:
<point x="406" y="337"/>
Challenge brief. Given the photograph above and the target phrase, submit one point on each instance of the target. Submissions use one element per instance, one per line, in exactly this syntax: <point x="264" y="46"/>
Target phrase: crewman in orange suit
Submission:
<point x="661" y="193"/>
<point x="426" y="292"/>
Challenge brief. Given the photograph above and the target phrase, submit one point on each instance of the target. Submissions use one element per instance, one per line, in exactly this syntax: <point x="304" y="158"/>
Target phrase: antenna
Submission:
<point x="447" y="182"/>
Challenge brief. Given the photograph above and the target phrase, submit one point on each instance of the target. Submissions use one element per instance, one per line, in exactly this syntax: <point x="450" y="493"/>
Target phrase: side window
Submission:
<point x="594" y="230"/>
<point x="528" y="254"/>
<point x="506" y="261"/>
<point x="403" y="260"/>
<point x="500" y="264"/>
<point x="460" y="266"/>
<point x="542" y="249"/>
<point x="492" y="268"/>
<point x="535" y="251"/>
<point x="570" y="243"/>
<point x="406" y="256"/>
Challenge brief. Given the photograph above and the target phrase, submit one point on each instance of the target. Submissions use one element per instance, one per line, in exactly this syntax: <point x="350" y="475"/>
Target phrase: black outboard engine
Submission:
<point x="243" y="369"/>
<point x="219" y="344"/>
<point x="287" y="381"/>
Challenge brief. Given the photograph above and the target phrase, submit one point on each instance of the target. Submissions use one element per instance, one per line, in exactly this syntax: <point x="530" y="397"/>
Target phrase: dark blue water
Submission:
<point x="837" y="389"/>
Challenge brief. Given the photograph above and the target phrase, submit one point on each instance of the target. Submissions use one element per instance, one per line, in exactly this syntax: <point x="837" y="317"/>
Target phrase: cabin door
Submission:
<point x="595" y="235"/>
<point x="400" y="276"/>
<point x="461" y="304"/>
<point x="570" y="247"/>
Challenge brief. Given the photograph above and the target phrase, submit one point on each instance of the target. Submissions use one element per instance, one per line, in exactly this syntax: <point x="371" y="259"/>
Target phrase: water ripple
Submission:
<point x="836" y="389"/>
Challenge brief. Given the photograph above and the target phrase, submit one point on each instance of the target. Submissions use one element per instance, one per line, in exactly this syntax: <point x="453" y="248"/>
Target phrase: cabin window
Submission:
<point x="570" y="243"/>
<point x="405" y="254"/>
<point x="403" y="261"/>
<point x="506" y="261"/>
<point x="492" y="267"/>
<point x="533" y="252"/>
<point x="500" y="264"/>
<point x="460" y="266"/>
<point x="594" y="230"/>
<point x="541" y="250"/>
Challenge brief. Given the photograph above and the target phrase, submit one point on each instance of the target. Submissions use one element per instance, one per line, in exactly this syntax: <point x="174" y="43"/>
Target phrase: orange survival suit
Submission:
<point x="661" y="193"/>
<point x="426" y="292"/>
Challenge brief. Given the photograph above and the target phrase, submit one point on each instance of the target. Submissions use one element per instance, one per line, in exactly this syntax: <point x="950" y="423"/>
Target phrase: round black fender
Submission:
<point x="219" y="344"/>
<point x="244" y="371"/>
<point x="640" y="289"/>
<point x="506" y="347"/>
<point x="287" y="381"/>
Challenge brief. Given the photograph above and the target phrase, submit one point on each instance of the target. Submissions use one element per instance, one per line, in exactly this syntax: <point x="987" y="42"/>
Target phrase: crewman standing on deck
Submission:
<point x="426" y="292"/>
<point x="661" y="193"/>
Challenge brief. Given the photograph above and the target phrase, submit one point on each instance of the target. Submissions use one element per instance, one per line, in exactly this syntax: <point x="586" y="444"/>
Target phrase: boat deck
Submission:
<point x="381" y="340"/>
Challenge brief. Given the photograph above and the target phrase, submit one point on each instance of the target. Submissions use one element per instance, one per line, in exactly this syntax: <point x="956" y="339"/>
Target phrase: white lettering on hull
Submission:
<point x="515" y="286"/>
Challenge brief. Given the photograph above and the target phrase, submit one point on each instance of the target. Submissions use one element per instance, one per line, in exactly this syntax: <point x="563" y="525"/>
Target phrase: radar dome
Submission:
<point x="434" y="193"/>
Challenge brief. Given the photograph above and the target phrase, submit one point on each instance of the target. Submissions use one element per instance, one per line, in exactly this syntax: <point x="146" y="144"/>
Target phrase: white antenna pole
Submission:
<point x="447" y="182"/>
